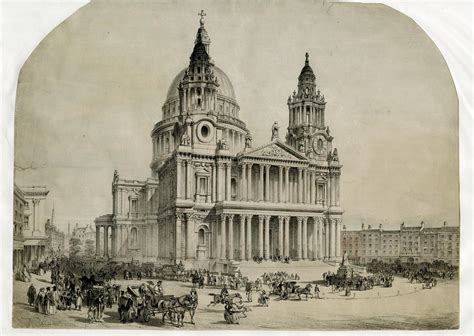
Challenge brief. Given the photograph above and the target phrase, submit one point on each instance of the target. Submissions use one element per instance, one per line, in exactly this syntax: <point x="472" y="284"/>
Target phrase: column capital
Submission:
<point x="261" y="217"/>
<point x="305" y="219"/>
<point x="231" y="217"/>
<point x="299" y="219"/>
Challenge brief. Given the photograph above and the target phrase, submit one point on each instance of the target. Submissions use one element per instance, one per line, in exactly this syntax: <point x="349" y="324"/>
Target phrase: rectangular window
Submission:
<point x="202" y="186"/>
<point x="134" y="206"/>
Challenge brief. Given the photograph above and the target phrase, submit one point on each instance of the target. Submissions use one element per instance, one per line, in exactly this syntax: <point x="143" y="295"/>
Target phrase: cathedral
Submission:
<point x="214" y="198"/>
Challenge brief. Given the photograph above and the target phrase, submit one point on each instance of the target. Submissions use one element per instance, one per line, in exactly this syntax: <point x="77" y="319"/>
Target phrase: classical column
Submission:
<point x="249" y="237"/>
<point x="220" y="181"/>
<point x="213" y="183"/>
<point x="333" y="238"/>
<point x="228" y="196"/>
<point x="249" y="180"/>
<point x="188" y="179"/>
<point x="118" y="239"/>
<point x="305" y="238"/>
<point x="287" y="184"/>
<point x="260" y="236"/>
<point x="311" y="187"/>
<point x="331" y="189"/>
<point x="305" y="186"/>
<point x="190" y="250"/>
<point x="287" y="236"/>
<point x="114" y="240"/>
<point x="280" y="235"/>
<point x="242" y="237"/>
<point x="267" y="183"/>
<point x="320" y="237"/>
<point x="298" y="238"/>
<point x="338" y="202"/>
<point x="177" y="252"/>
<point x="106" y="241"/>
<point x="281" y="197"/>
<point x="178" y="178"/>
<point x="327" y="238"/>
<point x="97" y="241"/>
<point x="243" y="182"/>
<point x="300" y="185"/>
<point x="315" y="237"/>
<point x="231" y="237"/>
<point x="260" y="189"/>
<point x="338" y="238"/>
<point x="223" y="237"/>
<point x="267" y="237"/>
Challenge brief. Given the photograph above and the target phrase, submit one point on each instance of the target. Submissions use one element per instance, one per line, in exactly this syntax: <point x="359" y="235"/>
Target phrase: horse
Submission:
<point x="189" y="303"/>
<point x="165" y="306"/>
<point x="196" y="280"/>
<point x="304" y="291"/>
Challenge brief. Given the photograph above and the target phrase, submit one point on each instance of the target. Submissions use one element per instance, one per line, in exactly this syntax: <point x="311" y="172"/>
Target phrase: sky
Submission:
<point x="90" y="93"/>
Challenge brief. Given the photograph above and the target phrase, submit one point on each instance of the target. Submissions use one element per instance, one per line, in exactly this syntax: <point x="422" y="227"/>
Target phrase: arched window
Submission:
<point x="233" y="188"/>
<point x="201" y="237"/>
<point x="320" y="144"/>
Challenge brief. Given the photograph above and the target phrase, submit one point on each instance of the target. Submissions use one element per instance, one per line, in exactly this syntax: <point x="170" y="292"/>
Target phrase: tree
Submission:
<point x="89" y="248"/>
<point x="75" y="247"/>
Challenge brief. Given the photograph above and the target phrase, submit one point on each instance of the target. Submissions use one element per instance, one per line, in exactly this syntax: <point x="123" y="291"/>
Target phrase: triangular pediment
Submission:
<point x="274" y="150"/>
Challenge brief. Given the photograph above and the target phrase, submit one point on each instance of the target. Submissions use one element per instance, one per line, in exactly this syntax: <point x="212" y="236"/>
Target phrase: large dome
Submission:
<point x="225" y="86"/>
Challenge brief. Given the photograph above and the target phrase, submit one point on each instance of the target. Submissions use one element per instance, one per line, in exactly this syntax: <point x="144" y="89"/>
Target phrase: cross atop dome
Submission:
<point x="202" y="14"/>
<point x="306" y="62"/>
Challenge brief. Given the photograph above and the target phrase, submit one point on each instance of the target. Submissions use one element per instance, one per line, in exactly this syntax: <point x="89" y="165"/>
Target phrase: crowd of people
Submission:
<point x="273" y="258"/>
<point x="77" y="283"/>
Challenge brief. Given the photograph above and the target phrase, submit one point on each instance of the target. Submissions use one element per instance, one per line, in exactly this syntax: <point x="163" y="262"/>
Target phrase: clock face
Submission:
<point x="319" y="145"/>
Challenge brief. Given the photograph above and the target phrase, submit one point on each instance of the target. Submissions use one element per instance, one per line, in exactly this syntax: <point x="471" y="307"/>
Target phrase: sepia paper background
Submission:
<point x="438" y="152"/>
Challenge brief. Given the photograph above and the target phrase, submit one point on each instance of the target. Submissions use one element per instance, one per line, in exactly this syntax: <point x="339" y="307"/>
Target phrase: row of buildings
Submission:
<point x="30" y="238"/>
<point x="408" y="244"/>
<point x="35" y="237"/>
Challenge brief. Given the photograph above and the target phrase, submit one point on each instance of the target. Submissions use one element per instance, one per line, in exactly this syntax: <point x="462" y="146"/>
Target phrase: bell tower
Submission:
<point x="198" y="88"/>
<point x="306" y="108"/>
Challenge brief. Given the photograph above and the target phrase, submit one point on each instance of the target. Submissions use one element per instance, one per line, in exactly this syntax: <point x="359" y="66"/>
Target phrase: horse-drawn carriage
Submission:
<point x="133" y="307"/>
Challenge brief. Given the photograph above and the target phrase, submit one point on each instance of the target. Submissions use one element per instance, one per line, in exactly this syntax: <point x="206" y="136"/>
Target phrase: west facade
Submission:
<point x="212" y="196"/>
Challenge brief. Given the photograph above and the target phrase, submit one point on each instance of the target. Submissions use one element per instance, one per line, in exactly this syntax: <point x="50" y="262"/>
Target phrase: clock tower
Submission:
<point x="307" y="132"/>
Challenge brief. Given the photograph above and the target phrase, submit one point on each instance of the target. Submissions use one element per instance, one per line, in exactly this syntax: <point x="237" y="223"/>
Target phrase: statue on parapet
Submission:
<point x="116" y="175"/>
<point x="248" y="141"/>
<point x="275" y="129"/>
<point x="222" y="144"/>
<point x="185" y="140"/>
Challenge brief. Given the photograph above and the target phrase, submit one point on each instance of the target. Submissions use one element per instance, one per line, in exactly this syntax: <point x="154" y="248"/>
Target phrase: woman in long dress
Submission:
<point x="230" y="315"/>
